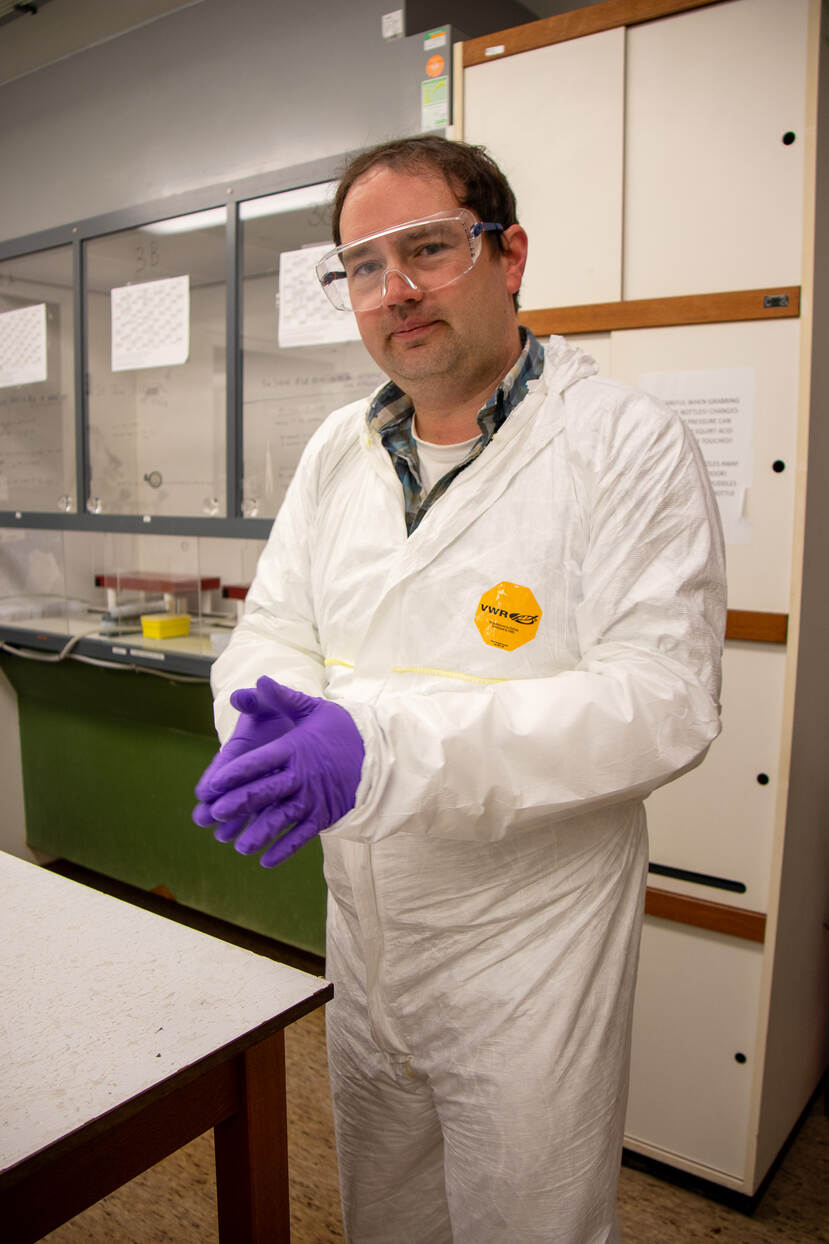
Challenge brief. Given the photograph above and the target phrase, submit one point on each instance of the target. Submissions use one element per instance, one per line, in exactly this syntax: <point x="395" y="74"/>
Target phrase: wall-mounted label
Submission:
<point x="391" y="24"/>
<point x="434" y="39"/>
<point x="434" y="103"/>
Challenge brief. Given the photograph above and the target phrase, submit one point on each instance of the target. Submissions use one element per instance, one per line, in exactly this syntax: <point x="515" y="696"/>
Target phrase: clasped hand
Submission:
<point x="290" y="769"/>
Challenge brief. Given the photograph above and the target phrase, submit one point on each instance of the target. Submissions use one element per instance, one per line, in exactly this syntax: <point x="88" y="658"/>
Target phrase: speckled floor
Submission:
<point x="175" y="1201"/>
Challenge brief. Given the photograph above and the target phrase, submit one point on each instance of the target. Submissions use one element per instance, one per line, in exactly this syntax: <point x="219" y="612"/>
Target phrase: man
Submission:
<point x="489" y="620"/>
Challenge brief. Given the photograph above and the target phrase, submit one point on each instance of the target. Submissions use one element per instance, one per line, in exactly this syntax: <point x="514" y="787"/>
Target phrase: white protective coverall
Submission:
<point x="486" y="892"/>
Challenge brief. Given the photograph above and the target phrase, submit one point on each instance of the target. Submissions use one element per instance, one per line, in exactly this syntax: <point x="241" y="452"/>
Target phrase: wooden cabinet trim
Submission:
<point x="763" y="628"/>
<point x="590" y="21"/>
<point x="703" y="914"/>
<point x="718" y="308"/>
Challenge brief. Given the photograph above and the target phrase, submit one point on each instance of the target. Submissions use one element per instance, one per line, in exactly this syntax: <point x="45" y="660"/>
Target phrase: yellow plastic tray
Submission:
<point x="165" y="625"/>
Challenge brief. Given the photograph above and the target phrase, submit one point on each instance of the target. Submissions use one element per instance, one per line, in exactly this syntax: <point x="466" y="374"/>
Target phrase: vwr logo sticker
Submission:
<point x="508" y="616"/>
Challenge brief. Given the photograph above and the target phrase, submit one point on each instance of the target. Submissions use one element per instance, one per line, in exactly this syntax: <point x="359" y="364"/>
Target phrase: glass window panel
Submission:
<point x="234" y="561"/>
<point x="35" y="589"/>
<point x="120" y="578"/>
<point x="287" y="391"/>
<point x="37" y="382"/>
<point x="156" y="363"/>
<point x="32" y="579"/>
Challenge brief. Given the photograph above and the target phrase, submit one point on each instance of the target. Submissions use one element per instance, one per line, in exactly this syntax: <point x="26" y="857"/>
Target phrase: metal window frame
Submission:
<point x="222" y="194"/>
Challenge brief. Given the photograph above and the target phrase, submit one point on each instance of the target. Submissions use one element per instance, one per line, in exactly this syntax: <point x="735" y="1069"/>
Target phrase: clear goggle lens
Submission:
<point x="427" y="254"/>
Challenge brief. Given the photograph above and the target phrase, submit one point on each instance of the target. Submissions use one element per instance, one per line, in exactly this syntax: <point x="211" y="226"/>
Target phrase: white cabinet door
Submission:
<point x="713" y="196"/>
<point x="759" y="567"/>
<point x="553" y="119"/>
<point x="696" y="1009"/>
<point x="719" y="819"/>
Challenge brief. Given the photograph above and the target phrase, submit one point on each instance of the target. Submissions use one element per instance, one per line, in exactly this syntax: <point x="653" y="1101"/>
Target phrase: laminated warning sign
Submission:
<point x="508" y="616"/>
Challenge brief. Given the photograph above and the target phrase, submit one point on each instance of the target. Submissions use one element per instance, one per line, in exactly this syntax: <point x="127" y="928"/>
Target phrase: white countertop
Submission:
<point x="102" y="1000"/>
<point x="88" y="625"/>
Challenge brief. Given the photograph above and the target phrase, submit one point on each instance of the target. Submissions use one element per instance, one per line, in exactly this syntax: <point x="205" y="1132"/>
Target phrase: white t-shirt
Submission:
<point x="436" y="460"/>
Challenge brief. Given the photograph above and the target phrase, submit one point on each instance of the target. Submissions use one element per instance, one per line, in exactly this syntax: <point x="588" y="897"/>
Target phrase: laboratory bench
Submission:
<point x="128" y="1036"/>
<point x="113" y="737"/>
<point x="190" y="654"/>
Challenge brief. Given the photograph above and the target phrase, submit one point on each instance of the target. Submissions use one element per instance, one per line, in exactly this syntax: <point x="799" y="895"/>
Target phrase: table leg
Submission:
<point x="252" y="1188"/>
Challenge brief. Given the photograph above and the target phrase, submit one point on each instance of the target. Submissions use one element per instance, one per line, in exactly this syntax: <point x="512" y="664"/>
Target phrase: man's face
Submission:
<point x="460" y="338"/>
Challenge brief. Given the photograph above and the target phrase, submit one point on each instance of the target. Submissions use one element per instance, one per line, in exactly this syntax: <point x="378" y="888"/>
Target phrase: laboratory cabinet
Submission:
<point x="162" y="367"/>
<point x="161" y="370"/>
<point x="110" y="759"/>
<point x="552" y="119"/>
<point x="107" y="728"/>
<point x="659" y="158"/>
<point x="670" y="163"/>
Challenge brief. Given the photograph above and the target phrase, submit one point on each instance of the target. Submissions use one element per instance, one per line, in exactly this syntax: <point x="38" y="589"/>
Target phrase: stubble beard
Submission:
<point x="434" y="368"/>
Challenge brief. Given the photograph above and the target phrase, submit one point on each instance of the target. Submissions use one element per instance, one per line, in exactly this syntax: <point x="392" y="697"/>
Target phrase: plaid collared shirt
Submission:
<point x="391" y="414"/>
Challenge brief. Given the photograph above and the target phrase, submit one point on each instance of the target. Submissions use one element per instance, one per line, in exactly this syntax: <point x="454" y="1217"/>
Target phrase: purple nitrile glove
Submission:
<point x="261" y="719"/>
<point x="294" y="787"/>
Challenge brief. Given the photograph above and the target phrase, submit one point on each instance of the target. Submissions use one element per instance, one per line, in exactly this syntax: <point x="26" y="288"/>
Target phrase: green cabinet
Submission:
<point x="110" y="759"/>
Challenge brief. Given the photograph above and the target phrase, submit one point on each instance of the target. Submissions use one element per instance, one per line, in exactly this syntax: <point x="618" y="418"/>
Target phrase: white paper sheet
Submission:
<point x="151" y="324"/>
<point x="23" y="346"/>
<point x="718" y="406"/>
<point x="306" y="317"/>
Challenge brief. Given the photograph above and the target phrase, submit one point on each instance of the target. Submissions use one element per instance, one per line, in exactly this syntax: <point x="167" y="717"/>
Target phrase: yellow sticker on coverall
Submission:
<point x="508" y="616"/>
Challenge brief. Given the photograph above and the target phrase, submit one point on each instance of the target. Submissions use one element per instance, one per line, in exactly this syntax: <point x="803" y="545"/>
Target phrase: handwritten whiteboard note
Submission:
<point x="718" y="406"/>
<point x="288" y="394"/>
<point x="306" y="317"/>
<point x="151" y="324"/>
<point x="23" y="346"/>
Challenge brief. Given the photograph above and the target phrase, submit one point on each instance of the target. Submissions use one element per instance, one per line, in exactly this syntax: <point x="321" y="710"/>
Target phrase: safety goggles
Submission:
<point x="427" y="254"/>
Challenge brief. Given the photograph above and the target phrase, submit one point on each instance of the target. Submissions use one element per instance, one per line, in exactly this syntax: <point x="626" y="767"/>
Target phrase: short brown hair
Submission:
<point x="473" y="175"/>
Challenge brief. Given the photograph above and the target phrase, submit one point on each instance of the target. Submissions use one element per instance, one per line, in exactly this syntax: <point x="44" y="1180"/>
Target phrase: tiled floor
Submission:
<point x="175" y="1202"/>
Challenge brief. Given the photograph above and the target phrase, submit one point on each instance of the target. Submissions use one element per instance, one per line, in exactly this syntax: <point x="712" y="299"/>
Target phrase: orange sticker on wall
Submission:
<point x="508" y="616"/>
<point x="435" y="66"/>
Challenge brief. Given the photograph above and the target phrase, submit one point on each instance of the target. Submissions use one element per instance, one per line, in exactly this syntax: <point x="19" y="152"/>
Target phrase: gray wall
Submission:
<point x="218" y="91"/>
